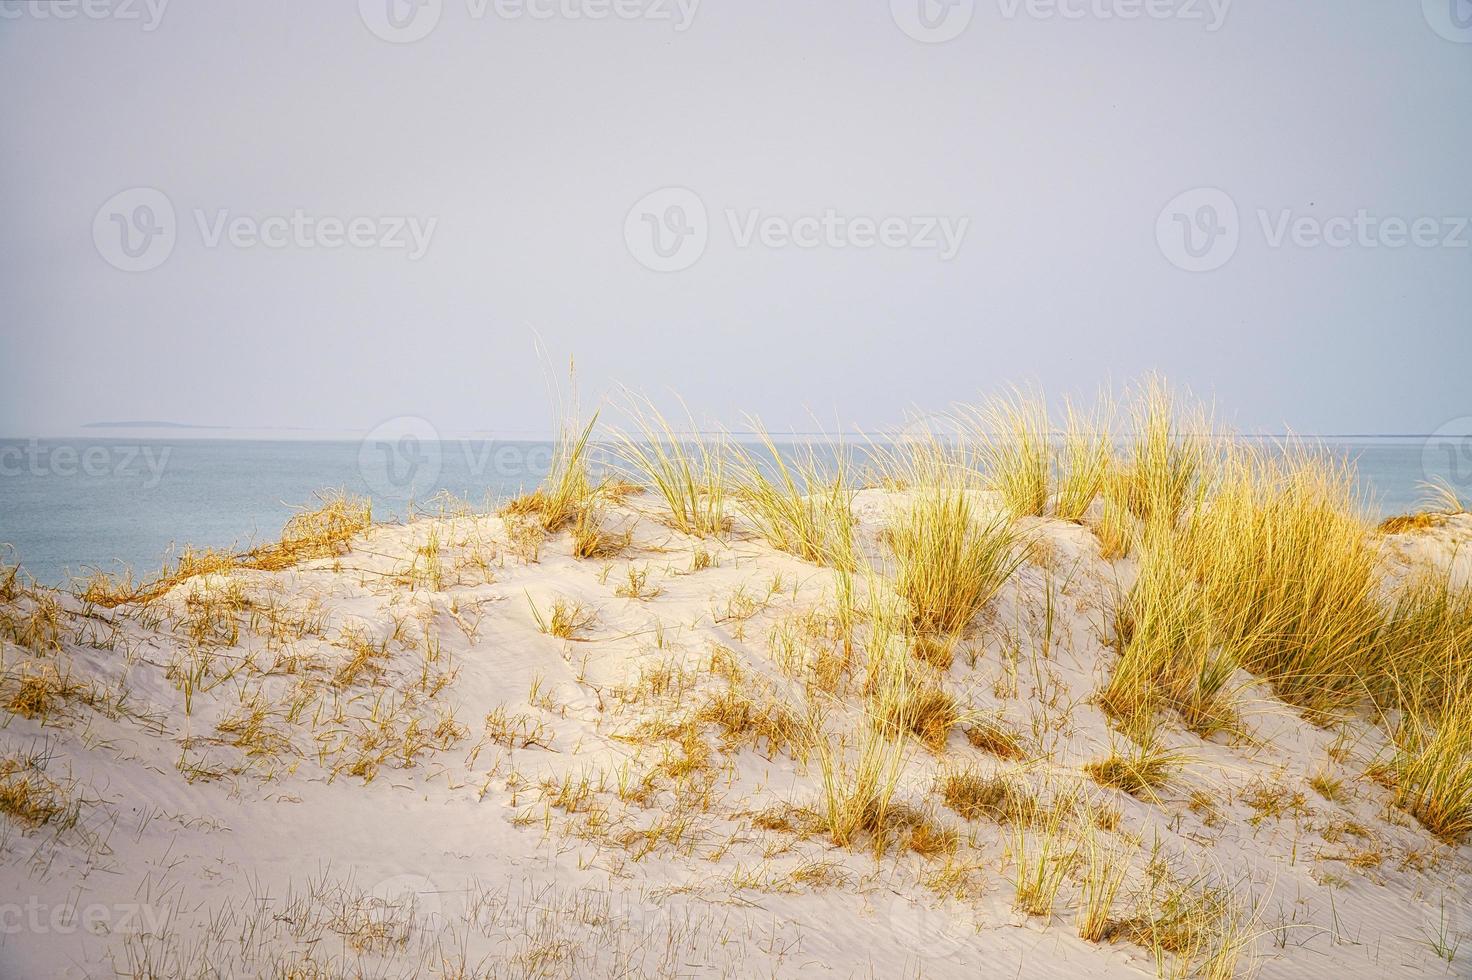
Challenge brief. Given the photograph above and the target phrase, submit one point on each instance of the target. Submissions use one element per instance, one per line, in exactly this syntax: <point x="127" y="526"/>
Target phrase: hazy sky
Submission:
<point x="983" y="193"/>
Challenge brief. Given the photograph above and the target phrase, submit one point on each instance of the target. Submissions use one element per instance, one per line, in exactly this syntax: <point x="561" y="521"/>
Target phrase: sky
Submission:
<point x="279" y="214"/>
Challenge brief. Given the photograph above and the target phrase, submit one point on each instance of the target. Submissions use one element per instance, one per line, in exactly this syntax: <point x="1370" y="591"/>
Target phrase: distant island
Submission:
<point x="148" y="424"/>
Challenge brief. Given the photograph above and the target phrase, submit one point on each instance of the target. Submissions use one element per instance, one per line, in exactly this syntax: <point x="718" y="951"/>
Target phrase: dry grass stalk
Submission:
<point x="688" y="471"/>
<point x="1107" y="865"/>
<point x="1043" y="852"/>
<point x="1012" y="441"/>
<point x="1001" y="798"/>
<point x="1168" y="464"/>
<point x="1086" y="459"/>
<point x="1139" y="769"/>
<point x="1169" y="654"/>
<point x="568" y="618"/>
<point x="800" y="502"/>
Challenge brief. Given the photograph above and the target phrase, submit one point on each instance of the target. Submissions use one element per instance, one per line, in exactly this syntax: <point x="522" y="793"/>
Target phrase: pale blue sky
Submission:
<point x="526" y="142"/>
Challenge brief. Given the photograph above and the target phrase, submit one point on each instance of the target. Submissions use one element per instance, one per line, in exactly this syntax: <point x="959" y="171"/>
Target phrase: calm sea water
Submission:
<point x="70" y="505"/>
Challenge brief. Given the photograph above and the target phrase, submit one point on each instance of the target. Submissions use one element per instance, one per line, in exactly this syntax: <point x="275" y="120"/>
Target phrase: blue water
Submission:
<point x="70" y="505"/>
<point x="67" y="506"/>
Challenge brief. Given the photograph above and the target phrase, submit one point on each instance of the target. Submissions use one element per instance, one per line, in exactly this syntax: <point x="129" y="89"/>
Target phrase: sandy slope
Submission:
<point x="486" y="854"/>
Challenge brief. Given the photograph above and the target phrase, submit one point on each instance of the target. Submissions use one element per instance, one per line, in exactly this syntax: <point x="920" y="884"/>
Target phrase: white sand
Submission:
<point x="455" y="863"/>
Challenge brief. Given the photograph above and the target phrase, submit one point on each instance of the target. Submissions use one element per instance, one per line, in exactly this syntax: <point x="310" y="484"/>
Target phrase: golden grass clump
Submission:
<point x="212" y="611"/>
<point x="950" y="560"/>
<point x="857" y="795"/>
<point x="365" y="657"/>
<point x="992" y="735"/>
<point x="1043" y="852"/>
<point x="568" y="487"/>
<point x="36" y="692"/>
<point x="1401" y="523"/>
<point x="906" y="699"/>
<point x="1115" y="529"/>
<point x="1085" y="460"/>
<point x="1000" y="798"/>
<point x="106" y="590"/>
<point x="590" y="538"/>
<point x="1442" y="498"/>
<point x="1191" y="928"/>
<point x="1432" y="765"/>
<point x="1105" y="869"/>
<point x="524" y="536"/>
<point x="636" y="585"/>
<point x="1440" y="501"/>
<point x="1167" y="467"/>
<point x="1427" y="651"/>
<point x="919" y="832"/>
<point x="799" y="502"/>
<point x="688" y="471"/>
<point x="1139" y="769"/>
<point x="194" y="562"/>
<point x="744" y="720"/>
<point x="322" y="532"/>
<point x="1431" y="640"/>
<point x="922" y="709"/>
<point x="109" y="590"/>
<point x="426" y="565"/>
<point x="1169" y="650"/>
<point x="857" y="792"/>
<point x="1012" y="442"/>
<point x="319" y="533"/>
<point x="1270" y="568"/>
<point x="936" y="651"/>
<point x="1427" y="637"/>
<point x="10" y="586"/>
<point x="567" y="619"/>
<point x="1290" y="574"/>
<point x="31" y="798"/>
<point x="38" y="628"/>
<point x="1329" y="786"/>
<point x="518" y="731"/>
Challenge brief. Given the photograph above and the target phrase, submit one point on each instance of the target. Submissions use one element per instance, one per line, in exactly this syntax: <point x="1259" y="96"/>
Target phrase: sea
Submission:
<point x="71" y="506"/>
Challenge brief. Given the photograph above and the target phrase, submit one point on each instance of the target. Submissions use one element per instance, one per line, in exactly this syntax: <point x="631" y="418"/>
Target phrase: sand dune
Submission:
<point x="380" y="763"/>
